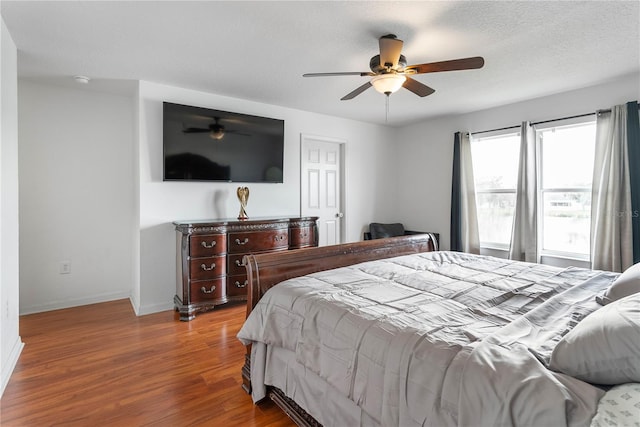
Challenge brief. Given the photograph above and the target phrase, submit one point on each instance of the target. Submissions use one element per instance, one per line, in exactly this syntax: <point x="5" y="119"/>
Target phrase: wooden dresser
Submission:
<point x="209" y="256"/>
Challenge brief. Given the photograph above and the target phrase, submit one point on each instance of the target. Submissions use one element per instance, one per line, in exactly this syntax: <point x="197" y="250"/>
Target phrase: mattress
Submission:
<point x="433" y="339"/>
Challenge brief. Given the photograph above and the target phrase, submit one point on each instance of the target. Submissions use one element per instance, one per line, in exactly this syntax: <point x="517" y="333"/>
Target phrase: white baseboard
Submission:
<point x="154" y="308"/>
<point x="140" y="310"/>
<point x="135" y="304"/>
<point x="57" y="305"/>
<point x="9" y="365"/>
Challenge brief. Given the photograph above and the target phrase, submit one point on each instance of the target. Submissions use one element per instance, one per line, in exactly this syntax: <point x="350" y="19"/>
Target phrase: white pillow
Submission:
<point x="626" y="284"/>
<point x="604" y="348"/>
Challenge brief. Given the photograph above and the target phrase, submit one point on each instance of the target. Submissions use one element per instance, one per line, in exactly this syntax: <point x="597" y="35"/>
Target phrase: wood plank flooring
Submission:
<point x="101" y="365"/>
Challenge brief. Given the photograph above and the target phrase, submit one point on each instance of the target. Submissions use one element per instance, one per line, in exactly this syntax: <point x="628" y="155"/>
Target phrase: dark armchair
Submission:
<point x="379" y="231"/>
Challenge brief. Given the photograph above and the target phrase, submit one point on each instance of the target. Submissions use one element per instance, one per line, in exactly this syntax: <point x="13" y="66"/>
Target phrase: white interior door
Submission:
<point x="321" y="186"/>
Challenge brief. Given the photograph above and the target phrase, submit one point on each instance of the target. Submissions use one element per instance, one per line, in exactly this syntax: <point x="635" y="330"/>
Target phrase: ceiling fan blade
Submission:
<point x="356" y="92"/>
<point x="390" y="49"/>
<point x="418" y="88"/>
<point x="348" y="73"/>
<point x="195" y="130"/>
<point x="235" y="132"/>
<point x="453" y="65"/>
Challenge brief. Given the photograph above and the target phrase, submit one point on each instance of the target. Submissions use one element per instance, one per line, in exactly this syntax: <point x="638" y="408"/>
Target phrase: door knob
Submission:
<point x="339" y="215"/>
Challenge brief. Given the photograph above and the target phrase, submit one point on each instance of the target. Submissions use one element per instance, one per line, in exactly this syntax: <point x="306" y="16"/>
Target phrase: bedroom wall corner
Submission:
<point x="76" y="195"/>
<point x="135" y="203"/>
<point x="10" y="342"/>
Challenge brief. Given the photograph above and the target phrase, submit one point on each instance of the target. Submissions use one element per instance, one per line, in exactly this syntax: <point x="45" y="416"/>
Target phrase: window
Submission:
<point x="564" y="203"/>
<point x="565" y="153"/>
<point x="495" y="172"/>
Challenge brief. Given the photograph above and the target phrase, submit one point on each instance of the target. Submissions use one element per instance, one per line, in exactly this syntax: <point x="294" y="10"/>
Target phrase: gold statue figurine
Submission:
<point x="243" y="196"/>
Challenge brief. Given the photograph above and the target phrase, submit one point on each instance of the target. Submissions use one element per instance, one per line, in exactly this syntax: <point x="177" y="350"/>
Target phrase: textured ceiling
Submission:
<point x="259" y="50"/>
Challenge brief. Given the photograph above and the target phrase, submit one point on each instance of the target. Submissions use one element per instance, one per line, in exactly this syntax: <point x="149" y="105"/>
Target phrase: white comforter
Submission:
<point x="440" y="338"/>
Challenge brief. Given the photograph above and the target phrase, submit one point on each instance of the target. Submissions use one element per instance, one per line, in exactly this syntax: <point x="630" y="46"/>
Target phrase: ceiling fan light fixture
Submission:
<point x="217" y="134"/>
<point x="388" y="83"/>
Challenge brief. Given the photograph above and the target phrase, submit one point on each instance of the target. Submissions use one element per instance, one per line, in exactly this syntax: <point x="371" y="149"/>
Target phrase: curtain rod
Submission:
<point x="570" y="117"/>
<point x="537" y="123"/>
<point x="494" y="130"/>
<point x="608" y="110"/>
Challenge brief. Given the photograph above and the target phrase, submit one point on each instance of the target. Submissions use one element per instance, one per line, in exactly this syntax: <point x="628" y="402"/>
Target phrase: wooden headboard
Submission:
<point x="269" y="269"/>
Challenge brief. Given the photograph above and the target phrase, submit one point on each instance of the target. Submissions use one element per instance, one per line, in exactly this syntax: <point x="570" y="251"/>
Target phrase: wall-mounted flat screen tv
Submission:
<point x="201" y="144"/>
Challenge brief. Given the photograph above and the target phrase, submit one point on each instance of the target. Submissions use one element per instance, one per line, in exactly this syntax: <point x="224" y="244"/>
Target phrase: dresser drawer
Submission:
<point x="237" y="285"/>
<point x="301" y="237"/>
<point x="208" y="268"/>
<point x="204" y="245"/>
<point x="207" y="290"/>
<point x="258" y="241"/>
<point x="235" y="265"/>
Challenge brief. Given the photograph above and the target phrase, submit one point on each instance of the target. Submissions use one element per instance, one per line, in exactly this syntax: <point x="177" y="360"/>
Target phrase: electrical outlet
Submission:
<point x="65" y="267"/>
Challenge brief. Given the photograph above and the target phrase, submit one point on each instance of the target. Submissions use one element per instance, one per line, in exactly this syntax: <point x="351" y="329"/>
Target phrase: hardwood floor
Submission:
<point x="101" y="365"/>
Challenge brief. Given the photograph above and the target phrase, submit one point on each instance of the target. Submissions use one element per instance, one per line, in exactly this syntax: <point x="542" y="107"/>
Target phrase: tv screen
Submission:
<point x="201" y="144"/>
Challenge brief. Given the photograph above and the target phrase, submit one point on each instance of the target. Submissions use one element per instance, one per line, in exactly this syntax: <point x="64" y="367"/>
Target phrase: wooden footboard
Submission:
<point x="267" y="270"/>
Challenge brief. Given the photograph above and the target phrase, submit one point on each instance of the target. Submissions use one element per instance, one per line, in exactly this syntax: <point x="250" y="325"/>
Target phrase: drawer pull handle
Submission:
<point x="239" y="263"/>
<point x="242" y="285"/>
<point x="204" y="244"/>
<point x="210" y="291"/>
<point x="244" y="242"/>
<point x="205" y="268"/>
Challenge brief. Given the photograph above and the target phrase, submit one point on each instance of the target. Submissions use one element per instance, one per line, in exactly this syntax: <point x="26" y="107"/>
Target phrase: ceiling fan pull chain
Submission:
<point x="386" y="108"/>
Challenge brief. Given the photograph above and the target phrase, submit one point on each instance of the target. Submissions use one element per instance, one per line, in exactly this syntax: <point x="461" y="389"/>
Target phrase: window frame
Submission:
<point x="501" y="133"/>
<point x="541" y="190"/>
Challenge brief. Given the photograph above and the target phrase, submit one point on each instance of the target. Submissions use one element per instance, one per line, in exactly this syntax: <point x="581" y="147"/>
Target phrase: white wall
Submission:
<point x="426" y="149"/>
<point x="76" y="196"/>
<point x="370" y="182"/>
<point x="10" y="342"/>
<point x="91" y="189"/>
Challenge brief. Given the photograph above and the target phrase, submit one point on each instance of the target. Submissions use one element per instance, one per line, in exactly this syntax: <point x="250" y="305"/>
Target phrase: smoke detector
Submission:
<point x="81" y="79"/>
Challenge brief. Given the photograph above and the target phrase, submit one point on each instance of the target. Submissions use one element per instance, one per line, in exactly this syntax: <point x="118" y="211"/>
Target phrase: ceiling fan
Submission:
<point x="389" y="70"/>
<point x="216" y="130"/>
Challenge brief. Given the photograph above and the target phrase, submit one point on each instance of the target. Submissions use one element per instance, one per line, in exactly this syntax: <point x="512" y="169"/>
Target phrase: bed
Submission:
<point x="394" y="332"/>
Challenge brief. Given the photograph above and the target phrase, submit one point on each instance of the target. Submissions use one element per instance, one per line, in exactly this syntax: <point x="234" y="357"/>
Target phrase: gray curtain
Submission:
<point x="464" y="216"/>
<point x="611" y="232"/>
<point x="524" y="232"/>
<point x="455" y="241"/>
<point x="633" y="147"/>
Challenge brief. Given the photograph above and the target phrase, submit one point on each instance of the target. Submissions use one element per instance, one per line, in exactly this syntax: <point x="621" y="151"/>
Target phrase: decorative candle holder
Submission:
<point x="243" y="197"/>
